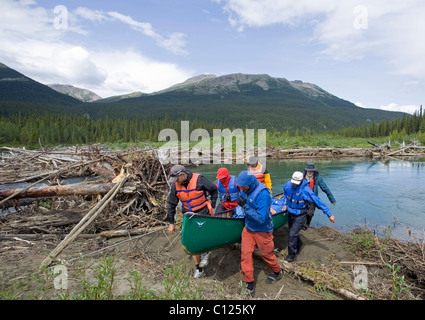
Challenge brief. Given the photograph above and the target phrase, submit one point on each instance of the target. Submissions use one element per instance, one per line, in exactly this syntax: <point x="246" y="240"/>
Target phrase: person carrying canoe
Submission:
<point x="228" y="193"/>
<point x="297" y="197"/>
<point x="192" y="190"/>
<point x="311" y="174"/>
<point x="258" y="231"/>
<point x="259" y="171"/>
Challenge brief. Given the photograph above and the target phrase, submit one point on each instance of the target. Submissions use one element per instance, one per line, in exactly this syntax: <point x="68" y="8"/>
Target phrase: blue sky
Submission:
<point x="369" y="52"/>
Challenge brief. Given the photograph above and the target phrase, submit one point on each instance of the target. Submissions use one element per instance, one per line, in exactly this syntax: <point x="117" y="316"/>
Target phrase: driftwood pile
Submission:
<point x="410" y="257"/>
<point x="404" y="150"/>
<point x="37" y="200"/>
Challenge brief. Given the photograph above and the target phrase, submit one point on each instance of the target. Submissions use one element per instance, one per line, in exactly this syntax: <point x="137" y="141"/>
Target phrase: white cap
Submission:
<point x="297" y="177"/>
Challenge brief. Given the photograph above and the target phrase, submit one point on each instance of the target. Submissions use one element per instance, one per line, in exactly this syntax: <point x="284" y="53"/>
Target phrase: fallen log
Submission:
<point x="288" y="267"/>
<point x="88" y="218"/>
<point x="293" y="268"/>
<point x="44" y="221"/>
<point x="125" y="233"/>
<point x="81" y="189"/>
<point x="47" y="175"/>
<point x="38" y="236"/>
<point x="13" y="248"/>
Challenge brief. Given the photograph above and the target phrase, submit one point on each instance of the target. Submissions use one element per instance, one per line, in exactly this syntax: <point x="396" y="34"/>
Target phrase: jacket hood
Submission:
<point x="223" y="173"/>
<point x="247" y="179"/>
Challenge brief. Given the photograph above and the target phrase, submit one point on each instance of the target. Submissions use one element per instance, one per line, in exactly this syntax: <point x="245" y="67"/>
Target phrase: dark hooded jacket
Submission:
<point x="257" y="203"/>
<point x="319" y="182"/>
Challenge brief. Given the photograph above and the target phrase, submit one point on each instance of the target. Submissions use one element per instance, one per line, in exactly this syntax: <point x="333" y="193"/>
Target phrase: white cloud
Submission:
<point x="174" y="43"/>
<point x="132" y="72"/>
<point x="410" y="109"/>
<point x="349" y="29"/>
<point x="359" y="104"/>
<point x="253" y="13"/>
<point x="33" y="46"/>
<point x="395" y="107"/>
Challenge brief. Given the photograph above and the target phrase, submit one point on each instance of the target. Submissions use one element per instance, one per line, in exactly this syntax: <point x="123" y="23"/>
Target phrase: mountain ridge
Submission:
<point x="81" y="94"/>
<point x="14" y="86"/>
<point x="242" y="100"/>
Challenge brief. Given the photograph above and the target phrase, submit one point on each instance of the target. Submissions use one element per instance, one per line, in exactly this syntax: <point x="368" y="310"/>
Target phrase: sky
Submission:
<point x="369" y="52"/>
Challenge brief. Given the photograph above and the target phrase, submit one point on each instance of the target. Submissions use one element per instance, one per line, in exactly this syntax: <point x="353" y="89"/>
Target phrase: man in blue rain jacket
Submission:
<point x="258" y="231"/>
<point x="297" y="197"/>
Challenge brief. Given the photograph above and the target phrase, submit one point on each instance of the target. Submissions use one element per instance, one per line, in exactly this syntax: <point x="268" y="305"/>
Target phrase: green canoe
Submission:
<point x="204" y="233"/>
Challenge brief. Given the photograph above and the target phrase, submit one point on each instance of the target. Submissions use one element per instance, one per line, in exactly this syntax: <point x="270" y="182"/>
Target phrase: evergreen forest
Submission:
<point x="32" y="130"/>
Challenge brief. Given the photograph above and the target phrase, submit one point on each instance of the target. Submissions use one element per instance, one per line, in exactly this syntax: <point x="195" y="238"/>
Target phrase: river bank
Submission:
<point x="331" y="266"/>
<point x="100" y="259"/>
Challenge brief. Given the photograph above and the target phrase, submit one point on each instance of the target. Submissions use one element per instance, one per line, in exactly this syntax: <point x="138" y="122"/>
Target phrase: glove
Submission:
<point x="240" y="201"/>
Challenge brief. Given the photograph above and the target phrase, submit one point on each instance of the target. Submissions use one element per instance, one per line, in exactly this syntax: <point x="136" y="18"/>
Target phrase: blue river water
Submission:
<point x="384" y="195"/>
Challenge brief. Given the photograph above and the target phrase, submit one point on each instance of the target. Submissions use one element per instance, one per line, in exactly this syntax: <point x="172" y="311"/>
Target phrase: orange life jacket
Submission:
<point x="258" y="172"/>
<point x="192" y="199"/>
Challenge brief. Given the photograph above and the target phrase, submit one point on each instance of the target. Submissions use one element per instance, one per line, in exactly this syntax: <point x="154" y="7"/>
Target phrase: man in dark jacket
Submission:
<point x="258" y="231"/>
<point x="311" y="174"/>
<point x="192" y="189"/>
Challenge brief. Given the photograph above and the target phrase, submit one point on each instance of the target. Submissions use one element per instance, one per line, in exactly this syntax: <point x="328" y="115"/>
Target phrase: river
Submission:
<point x="385" y="195"/>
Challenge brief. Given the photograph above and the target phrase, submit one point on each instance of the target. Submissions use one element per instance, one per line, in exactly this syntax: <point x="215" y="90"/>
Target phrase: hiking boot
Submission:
<point x="274" y="277"/>
<point x="199" y="274"/>
<point x="205" y="259"/>
<point x="289" y="258"/>
<point x="250" y="289"/>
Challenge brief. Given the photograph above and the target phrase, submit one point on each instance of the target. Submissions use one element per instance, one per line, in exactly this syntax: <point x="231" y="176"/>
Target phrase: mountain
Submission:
<point x="247" y="101"/>
<point x="188" y="82"/>
<point x="16" y="87"/>
<point x="83" y="95"/>
<point x="122" y="97"/>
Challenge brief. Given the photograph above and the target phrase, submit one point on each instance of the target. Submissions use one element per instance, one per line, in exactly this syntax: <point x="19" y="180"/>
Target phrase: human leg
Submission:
<point x="247" y="260"/>
<point x="265" y="245"/>
<point x="205" y="259"/>
<point x="295" y="243"/>
<point x="309" y="217"/>
<point x="199" y="272"/>
<point x="196" y="258"/>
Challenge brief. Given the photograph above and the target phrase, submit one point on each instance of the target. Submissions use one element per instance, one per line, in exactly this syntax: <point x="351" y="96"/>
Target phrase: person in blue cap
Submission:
<point x="258" y="231"/>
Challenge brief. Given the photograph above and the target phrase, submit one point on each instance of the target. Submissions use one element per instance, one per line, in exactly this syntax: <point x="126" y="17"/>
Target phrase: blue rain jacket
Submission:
<point x="258" y="201"/>
<point x="296" y="199"/>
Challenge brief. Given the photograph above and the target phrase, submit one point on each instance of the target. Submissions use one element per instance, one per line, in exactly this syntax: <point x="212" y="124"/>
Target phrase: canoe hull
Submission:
<point x="204" y="233"/>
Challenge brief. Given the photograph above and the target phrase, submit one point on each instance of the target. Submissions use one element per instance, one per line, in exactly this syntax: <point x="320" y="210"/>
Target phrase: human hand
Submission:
<point x="171" y="228"/>
<point x="332" y="219"/>
<point x="240" y="201"/>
